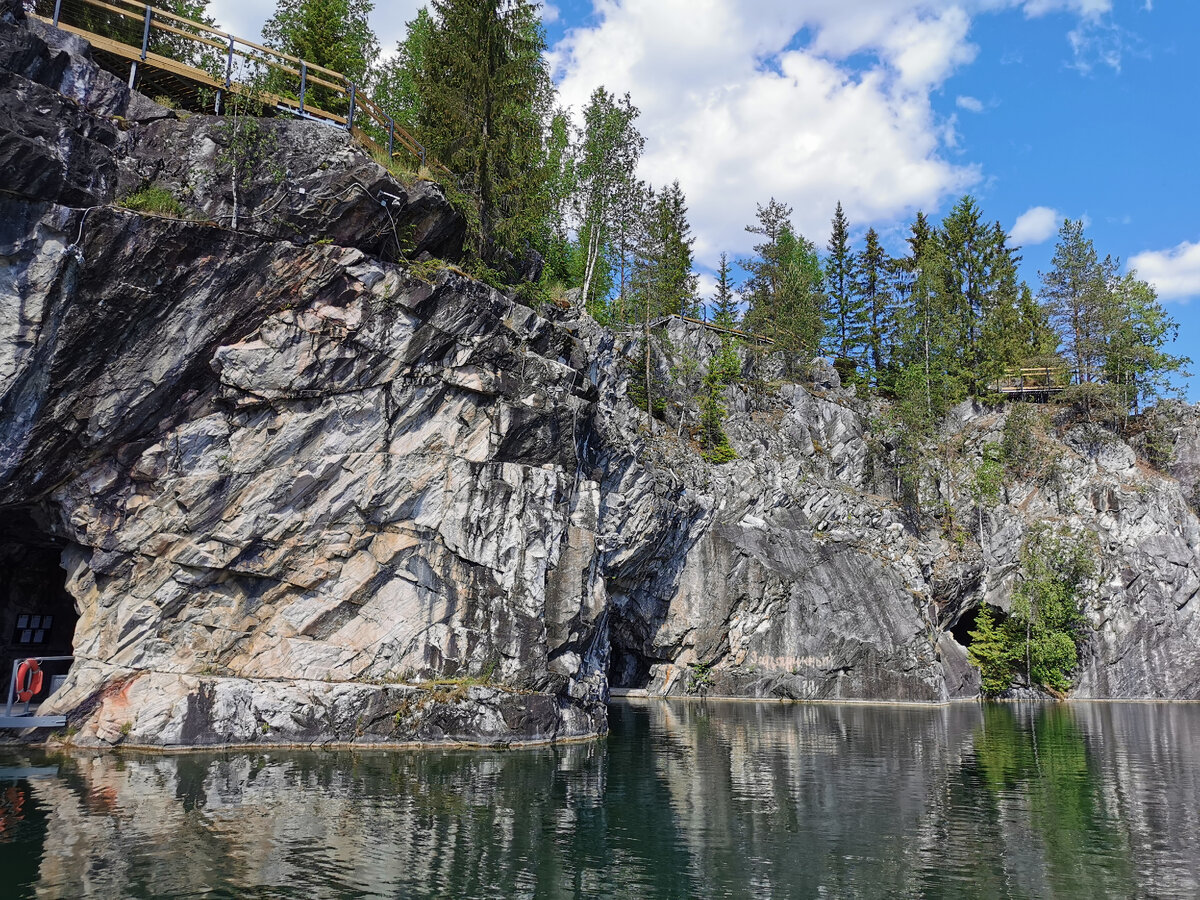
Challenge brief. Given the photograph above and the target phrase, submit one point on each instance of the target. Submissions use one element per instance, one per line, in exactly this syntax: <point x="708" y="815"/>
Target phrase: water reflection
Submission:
<point x="683" y="800"/>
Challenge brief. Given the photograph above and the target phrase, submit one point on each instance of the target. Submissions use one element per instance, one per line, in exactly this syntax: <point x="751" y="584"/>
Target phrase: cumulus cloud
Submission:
<point x="801" y="100"/>
<point x="738" y="113"/>
<point x="1035" y="226"/>
<point x="1175" y="273"/>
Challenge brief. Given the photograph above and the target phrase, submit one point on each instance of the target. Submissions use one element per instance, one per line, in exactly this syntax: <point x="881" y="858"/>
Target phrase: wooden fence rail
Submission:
<point x="224" y="64"/>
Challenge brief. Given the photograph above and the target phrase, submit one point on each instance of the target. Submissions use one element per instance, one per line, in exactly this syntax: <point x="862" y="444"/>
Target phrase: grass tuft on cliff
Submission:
<point x="154" y="199"/>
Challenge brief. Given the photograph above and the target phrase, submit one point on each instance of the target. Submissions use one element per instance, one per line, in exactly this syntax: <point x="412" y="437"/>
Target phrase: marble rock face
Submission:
<point x="301" y="494"/>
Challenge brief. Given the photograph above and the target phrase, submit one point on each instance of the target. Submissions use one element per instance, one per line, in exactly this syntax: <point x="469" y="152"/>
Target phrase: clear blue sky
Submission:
<point x="1040" y="108"/>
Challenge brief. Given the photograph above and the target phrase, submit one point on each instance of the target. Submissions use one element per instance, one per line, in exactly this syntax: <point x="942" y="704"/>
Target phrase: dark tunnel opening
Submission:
<point x="961" y="630"/>
<point x="37" y="614"/>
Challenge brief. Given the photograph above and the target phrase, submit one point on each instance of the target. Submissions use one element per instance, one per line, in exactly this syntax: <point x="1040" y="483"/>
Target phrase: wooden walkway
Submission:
<point x="1034" y="382"/>
<point x="214" y="62"/>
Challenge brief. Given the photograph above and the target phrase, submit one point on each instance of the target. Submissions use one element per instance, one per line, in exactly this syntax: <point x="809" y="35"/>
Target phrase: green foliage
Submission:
<point x="724" y="300"/>
<point x="394" y="82"/>
<point x="1019" y="441"/>
<point x="988" y="483"/>
<point x="485" y="99"/>
<point x="699" y="678"/>
<point x="847" y="310"/>
<point x="663" y="281"/>
<point x="604" y="186"/>
<point x="723" y="369"/>
<point x="154" y="199"/>
<point x="990" y="652"/>
<point x="784" y="290"/>
<point x="335" y="34"/>
<point x="248" y="147"/>
<point x="1040" y="638"/>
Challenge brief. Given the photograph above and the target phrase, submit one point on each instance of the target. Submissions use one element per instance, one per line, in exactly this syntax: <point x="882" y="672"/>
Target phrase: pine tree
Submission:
<point x="485" y="100"/>
<point x="1136" y="365"/>
<point x="1075" y="292"/>
<point x="784" y="291"/>
<point x="724" y="301"/>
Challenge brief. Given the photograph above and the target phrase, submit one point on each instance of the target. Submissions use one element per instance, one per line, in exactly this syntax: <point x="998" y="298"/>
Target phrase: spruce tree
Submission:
<point x="846" y="310"/>
<point x="724" y="301"/>
<point x="873" y="270"/>
<point x="486" y="97"/>
<point x="664" y="278"/>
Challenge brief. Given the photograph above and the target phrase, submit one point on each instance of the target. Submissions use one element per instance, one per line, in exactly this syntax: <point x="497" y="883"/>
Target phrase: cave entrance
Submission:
<point x="628" y="666"/>
<point x="961" y="630"/>
<point x="37" y="614"/>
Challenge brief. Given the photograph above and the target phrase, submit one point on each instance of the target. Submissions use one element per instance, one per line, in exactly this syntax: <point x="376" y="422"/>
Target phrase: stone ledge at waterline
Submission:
<point x="300" y="494"/>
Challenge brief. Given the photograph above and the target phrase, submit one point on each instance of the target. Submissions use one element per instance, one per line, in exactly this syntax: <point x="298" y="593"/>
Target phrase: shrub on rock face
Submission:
<point x="1039" y="640"/>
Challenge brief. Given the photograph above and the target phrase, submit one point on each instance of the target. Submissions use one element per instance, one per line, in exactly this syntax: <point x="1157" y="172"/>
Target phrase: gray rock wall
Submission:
<point x="302" y="494"/>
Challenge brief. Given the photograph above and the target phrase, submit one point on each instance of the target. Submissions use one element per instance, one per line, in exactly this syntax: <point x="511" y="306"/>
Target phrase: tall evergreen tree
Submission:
<point x="724" y="300"/>
<point x="1136" y="365"/>
<point x="846" y="311"/>
<point x="486" y="97"/>
<point x="873" y="271"/>
<point x="784" y="293"/>
<point x="1075" y="292"/>
<point x="664" y="278"/>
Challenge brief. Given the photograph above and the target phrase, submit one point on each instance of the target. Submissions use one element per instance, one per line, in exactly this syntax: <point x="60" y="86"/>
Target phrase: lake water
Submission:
<point x="683" y="799"/>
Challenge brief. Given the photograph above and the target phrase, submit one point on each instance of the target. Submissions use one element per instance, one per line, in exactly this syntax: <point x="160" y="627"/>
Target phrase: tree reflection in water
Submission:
<point x="684" y="799"/>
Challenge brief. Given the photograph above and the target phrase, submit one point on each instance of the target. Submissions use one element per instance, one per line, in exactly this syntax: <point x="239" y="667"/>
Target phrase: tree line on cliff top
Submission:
<point x="944" y="320"/>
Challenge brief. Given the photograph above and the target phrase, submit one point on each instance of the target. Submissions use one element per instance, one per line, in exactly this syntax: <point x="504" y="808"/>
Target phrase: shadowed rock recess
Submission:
<point x="301" y="495"/>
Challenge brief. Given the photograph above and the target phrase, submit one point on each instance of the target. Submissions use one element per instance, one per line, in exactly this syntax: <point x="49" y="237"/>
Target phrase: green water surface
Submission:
<point x="683" y="799"/>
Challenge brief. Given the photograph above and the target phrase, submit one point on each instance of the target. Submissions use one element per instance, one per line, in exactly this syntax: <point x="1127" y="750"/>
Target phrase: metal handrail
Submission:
<point x="364" y="116"/>
<point x="12" y="682"/>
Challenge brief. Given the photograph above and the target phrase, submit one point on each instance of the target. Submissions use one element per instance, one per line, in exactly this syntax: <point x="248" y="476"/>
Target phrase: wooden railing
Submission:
<point x="1035" y="380"/>
<point x="222" y="64"/>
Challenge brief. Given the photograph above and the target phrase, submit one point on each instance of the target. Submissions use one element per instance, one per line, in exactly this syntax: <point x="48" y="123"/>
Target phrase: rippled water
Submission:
<point x="682" y="800"/>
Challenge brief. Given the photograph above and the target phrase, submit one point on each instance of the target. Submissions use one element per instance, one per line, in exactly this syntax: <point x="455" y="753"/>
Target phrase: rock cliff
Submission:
<point x="308" y="484"/>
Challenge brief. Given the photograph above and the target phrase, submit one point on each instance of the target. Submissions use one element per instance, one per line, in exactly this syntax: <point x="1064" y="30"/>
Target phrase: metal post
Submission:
<point x="133" y="66"/>
<point x="391" y="136"/>
<point x="303" y="83"/>
<point x="146" y="31"/>
<point x="57" y="10"/>
<point x="350" y="118"/>
<point x="12" y="687"/>
<point x="229" y="64"/>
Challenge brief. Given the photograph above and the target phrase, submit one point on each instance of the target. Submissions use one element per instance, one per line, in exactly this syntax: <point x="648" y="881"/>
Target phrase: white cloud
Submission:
<point x="245" y="18"/>
<point x="970" y="104"/>
<point x="738" y="114"/>
<point x="1175" y="273"/>
<point x="550" y="13"/>
<point x="806" y="101"/>
<point x="1035" y="226"/>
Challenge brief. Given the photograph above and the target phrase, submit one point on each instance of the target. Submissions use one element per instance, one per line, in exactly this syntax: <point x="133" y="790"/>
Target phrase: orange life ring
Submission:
<point x="31" y="670"/>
